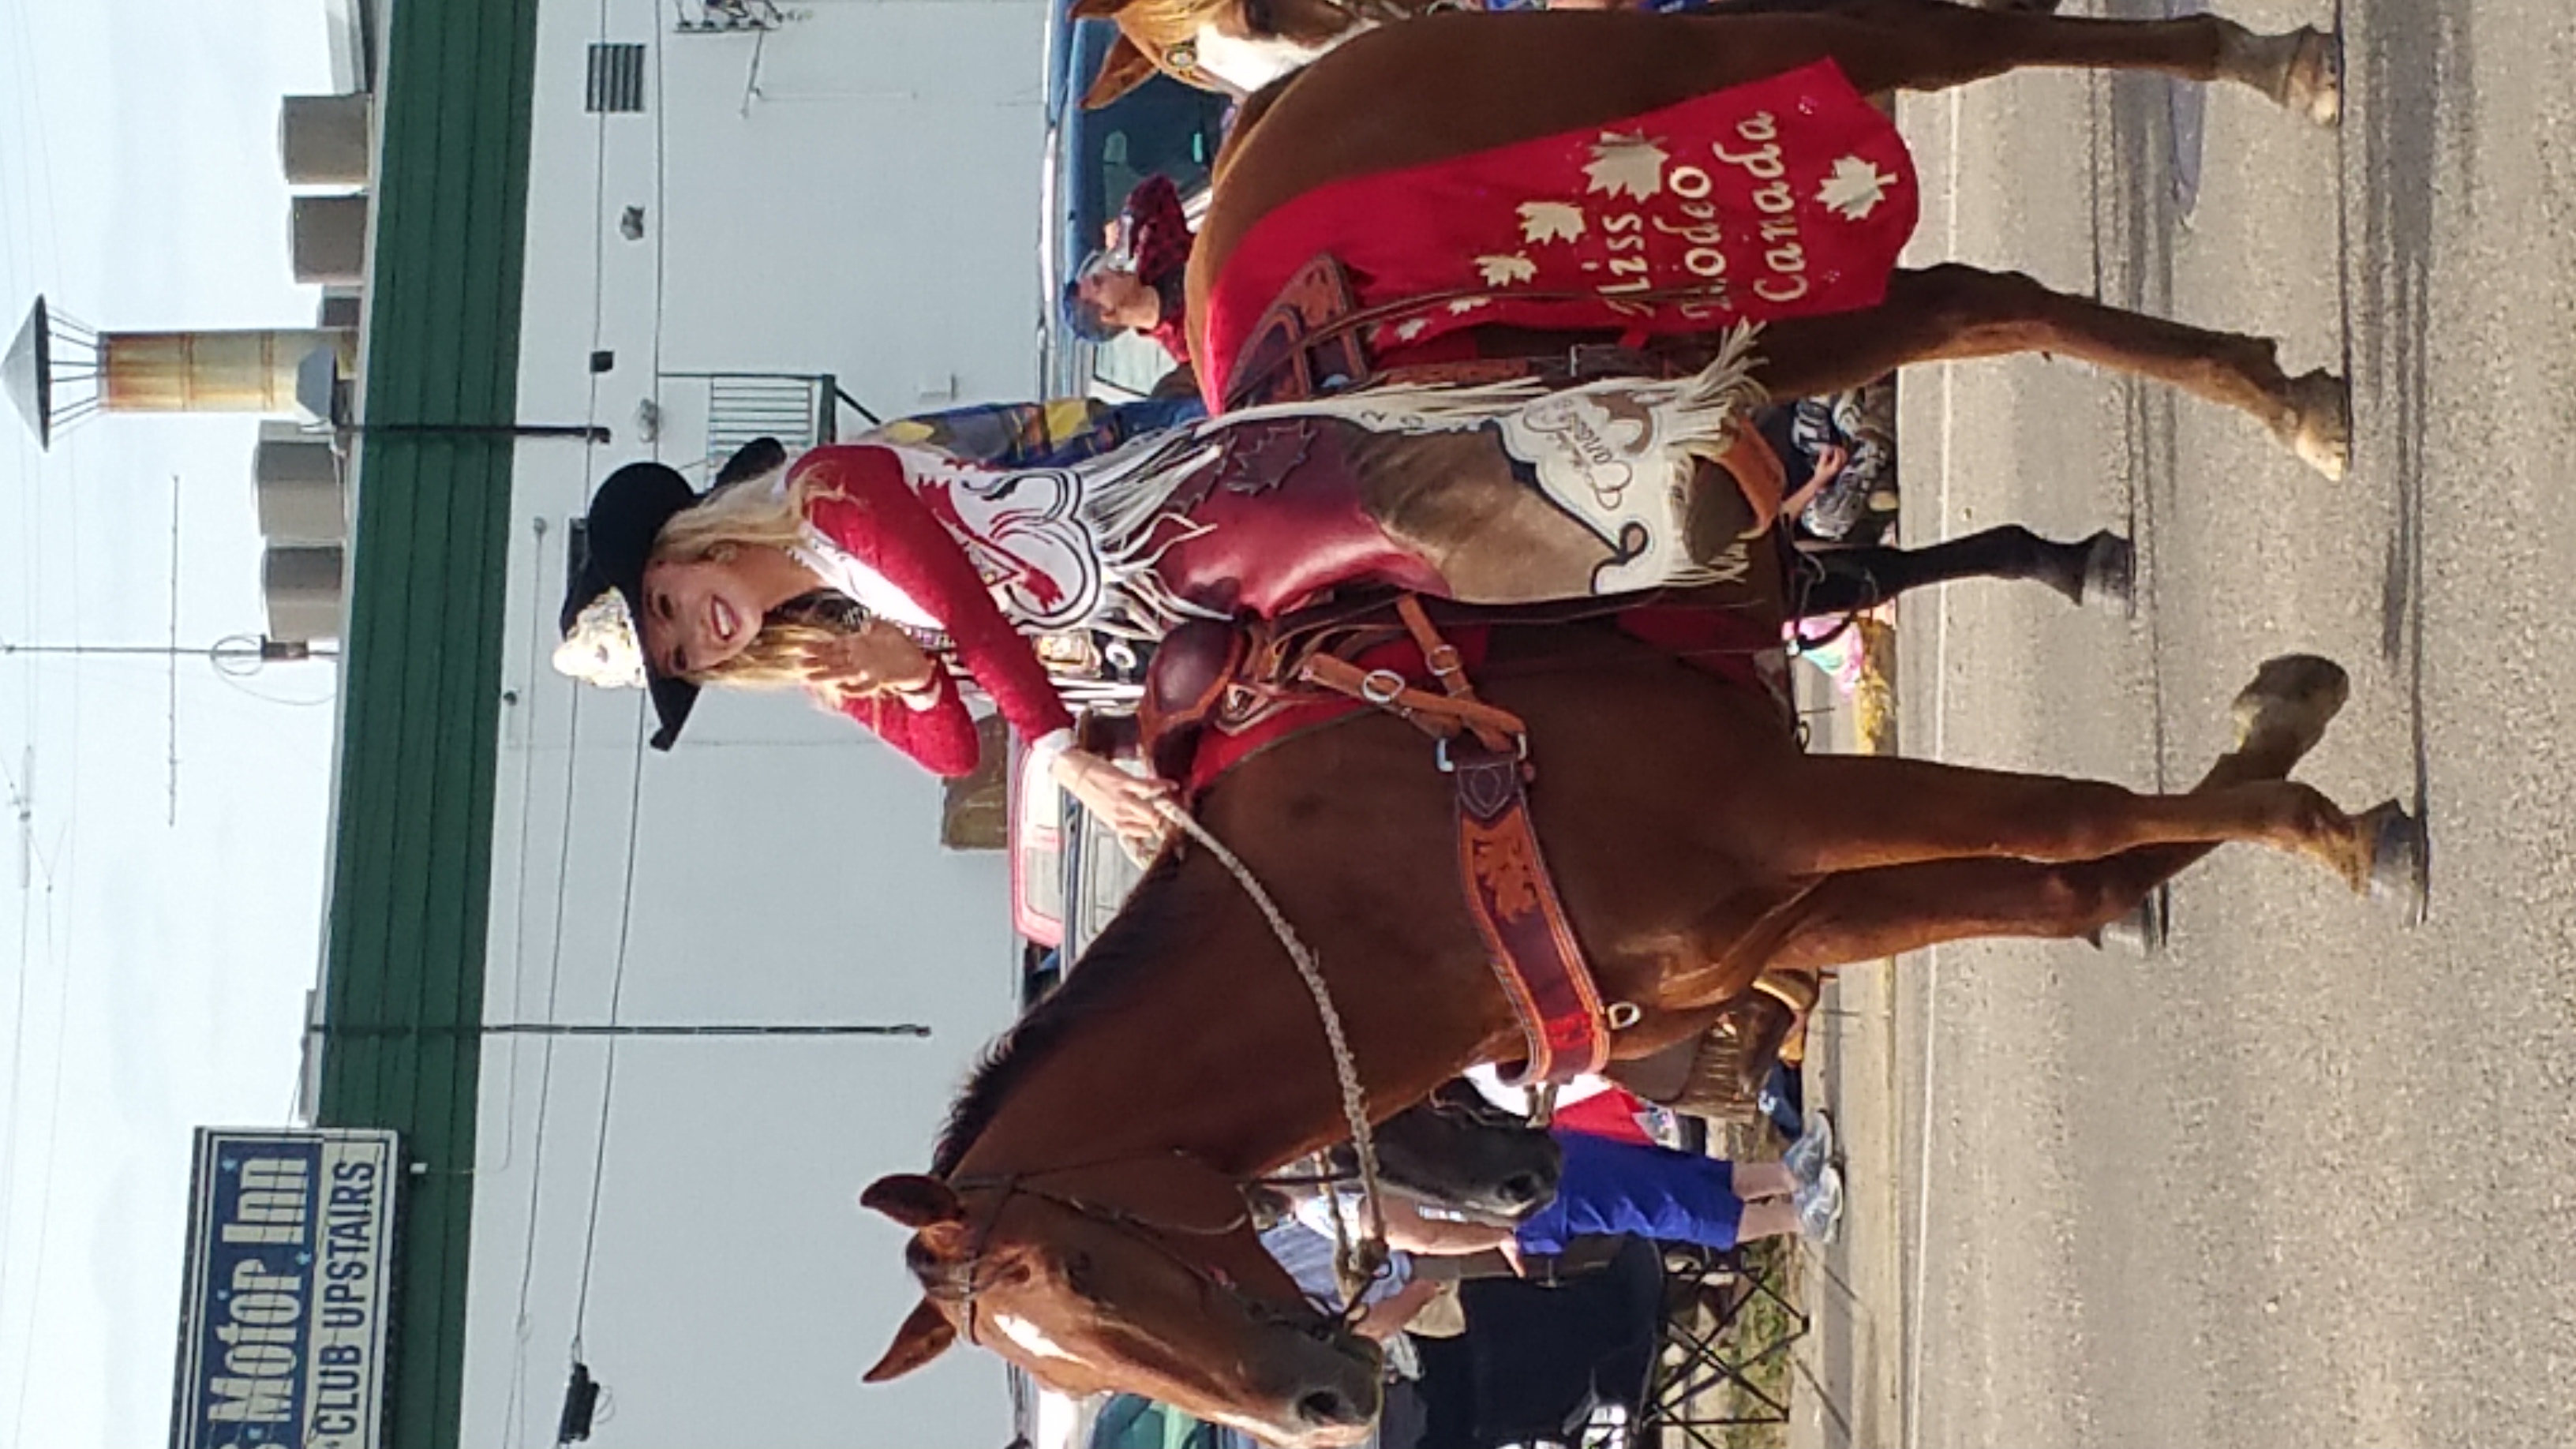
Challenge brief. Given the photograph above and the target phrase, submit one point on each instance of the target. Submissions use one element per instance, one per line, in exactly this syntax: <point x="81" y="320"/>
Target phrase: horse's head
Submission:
<point x="1144" y="1276"/>
<point x="1234" y="46"/>
<point x="1460" y="1151"/>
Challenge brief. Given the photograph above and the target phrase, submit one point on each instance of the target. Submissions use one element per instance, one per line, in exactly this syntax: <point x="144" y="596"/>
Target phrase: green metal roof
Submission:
<point x="410" y="887"/>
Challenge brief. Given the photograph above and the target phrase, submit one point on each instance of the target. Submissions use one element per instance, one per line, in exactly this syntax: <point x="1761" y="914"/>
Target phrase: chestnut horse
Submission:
<point x="1083" y="1216"/>
<point x="1238" y="46"/>
<point x="1448" y="86"/>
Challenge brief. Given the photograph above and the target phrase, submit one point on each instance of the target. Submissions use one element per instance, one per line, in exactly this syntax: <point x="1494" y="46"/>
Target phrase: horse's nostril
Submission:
<point x="1524" y="1188"/>
<point x="1329" y="1408"/>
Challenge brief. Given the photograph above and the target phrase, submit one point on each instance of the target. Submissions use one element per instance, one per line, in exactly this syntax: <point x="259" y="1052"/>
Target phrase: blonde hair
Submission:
<point x="774" y="659"/>
<point x="751" y="512"/>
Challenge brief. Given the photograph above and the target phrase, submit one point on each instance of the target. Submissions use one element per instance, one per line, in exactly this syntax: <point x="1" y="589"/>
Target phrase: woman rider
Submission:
<point x="882" y="578"/>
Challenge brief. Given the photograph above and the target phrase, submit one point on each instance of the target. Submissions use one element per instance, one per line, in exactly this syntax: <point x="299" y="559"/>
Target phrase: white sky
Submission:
<point x="155" y="975"/>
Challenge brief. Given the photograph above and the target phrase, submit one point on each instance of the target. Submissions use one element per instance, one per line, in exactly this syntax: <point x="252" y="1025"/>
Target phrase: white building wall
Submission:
<point x="870" y="210"/>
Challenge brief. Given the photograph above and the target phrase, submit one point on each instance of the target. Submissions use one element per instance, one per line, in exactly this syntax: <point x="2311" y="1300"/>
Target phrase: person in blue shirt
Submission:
<point x="1611" y="1188"/>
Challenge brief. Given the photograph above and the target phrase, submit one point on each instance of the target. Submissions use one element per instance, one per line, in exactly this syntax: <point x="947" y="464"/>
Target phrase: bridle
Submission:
<point x="1140" y="1227"/>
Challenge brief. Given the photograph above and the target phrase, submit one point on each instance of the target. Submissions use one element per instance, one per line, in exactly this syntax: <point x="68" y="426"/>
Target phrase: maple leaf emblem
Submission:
<point x="1507" y="269"/>
<point x="1855" y="189"/>
<point x="1626" y="166"/>
<point x="1547" y="221"/>
<point x="1502" y="870"/>
<point x="1461" y="306"/>
<point x="1407" y="331"/>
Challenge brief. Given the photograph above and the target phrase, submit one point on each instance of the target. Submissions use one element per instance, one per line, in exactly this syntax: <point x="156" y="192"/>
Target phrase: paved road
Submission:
<point x="2311" y="1178"/>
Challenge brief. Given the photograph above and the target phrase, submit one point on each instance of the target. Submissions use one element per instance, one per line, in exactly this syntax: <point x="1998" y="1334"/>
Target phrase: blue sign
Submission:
<point x="290" y="1257"/>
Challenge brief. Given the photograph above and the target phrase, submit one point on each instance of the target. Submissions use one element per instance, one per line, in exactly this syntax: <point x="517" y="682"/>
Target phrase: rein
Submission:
<point x="1359" y="1263"/>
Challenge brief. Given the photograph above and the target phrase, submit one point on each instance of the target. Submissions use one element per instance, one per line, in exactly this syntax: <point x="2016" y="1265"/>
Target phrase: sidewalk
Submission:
<point x="1850" y="1367"/>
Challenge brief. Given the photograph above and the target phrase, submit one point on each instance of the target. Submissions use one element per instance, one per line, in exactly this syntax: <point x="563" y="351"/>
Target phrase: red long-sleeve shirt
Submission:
<point x="863" y="503"/>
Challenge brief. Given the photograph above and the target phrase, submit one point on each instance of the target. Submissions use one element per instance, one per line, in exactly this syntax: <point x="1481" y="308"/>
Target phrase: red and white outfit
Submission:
<point x="1247" y="516"/>
<point x="874" y="536"/>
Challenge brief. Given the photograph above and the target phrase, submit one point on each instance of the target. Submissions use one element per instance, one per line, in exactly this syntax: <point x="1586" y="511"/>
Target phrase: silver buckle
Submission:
<point x="1440" y="751"/>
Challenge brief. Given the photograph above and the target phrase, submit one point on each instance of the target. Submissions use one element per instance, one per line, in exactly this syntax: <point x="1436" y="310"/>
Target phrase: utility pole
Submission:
<point x="237" y="655"/>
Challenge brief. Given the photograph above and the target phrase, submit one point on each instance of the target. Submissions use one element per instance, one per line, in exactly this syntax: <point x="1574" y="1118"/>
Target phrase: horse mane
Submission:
<point x="1164" y="23"/>
<point x="1161" y="906"/>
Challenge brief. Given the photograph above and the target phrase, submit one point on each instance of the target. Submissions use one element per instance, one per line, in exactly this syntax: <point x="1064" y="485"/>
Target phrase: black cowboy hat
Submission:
<point x="626" y="515"/>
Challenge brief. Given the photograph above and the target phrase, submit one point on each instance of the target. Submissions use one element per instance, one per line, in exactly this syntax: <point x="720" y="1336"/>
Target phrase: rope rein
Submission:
<point x="1358" y="1264"/>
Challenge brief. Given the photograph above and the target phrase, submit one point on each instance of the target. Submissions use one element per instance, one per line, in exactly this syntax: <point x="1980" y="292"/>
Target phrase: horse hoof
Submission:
<point x="2143" y="930"/>
<point x="2110" y="573"/>
<point x="2320" y="423"/>
<point x="2312" y="83"/>
<point x="2400" y="851"/>
<point x="2296" y="694"/>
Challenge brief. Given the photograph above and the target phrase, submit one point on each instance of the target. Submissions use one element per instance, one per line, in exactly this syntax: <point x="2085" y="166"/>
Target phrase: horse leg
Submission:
<point x="1847" y="580"/>
<point x="1952" y="312"/>
<point x="1833" y="814"/>
<point x="1857" y="812"/>
<point x="1868" y="915"/>
<point x="1929" y="45"/>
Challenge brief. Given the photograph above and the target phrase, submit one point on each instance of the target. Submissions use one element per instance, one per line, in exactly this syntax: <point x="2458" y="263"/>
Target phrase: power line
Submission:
<point x="173" y="820"/>
<point x="545" y="1082"/>
<point x="45" y="1203"/>
<point x="616" y="1000"/>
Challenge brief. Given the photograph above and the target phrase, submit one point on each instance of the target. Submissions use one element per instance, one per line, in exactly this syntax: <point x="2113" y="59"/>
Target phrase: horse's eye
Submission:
<point x="1078" y="1275"/>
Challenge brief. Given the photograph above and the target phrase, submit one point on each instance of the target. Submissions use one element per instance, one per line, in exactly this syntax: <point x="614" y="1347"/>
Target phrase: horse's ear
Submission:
<point x="1095" y="9"/>
<point x="913" y="1200"/>
<point x="924" y="1336"/>
<point x="1122" y="70"/>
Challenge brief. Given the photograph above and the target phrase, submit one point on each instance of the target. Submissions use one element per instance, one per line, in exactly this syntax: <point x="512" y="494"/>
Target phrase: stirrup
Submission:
<point x="1796" y="990"/>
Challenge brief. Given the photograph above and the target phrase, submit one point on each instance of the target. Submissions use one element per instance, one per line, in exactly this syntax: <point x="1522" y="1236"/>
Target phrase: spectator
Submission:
<point x="1610" y="1187"/>
<point x="1136" y="283"/>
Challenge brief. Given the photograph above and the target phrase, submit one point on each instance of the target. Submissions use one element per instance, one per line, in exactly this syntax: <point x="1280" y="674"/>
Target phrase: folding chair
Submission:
<point x="1702" y="1379"/>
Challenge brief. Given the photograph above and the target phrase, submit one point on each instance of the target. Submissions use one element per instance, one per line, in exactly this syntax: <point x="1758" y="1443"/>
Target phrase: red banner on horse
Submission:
<point x="1784" y="197"/>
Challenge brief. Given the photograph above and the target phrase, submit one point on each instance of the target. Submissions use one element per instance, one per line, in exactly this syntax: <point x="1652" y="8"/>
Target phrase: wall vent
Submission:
<point x="616" y="79"/>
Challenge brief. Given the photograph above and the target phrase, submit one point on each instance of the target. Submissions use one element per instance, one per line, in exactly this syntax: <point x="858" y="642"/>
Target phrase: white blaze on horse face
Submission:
<point x="1031" y="1337"/>
<point x="1248" y="63"/>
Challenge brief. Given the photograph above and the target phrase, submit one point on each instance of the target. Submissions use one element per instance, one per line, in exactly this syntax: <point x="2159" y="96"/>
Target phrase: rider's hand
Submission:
<point x="1129" y="804"/>
<point x="876" y="659"/>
